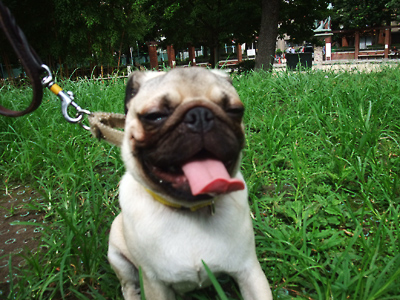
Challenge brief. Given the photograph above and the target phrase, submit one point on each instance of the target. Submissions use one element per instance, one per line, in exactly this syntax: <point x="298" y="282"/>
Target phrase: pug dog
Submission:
<point x="183" y="199"/>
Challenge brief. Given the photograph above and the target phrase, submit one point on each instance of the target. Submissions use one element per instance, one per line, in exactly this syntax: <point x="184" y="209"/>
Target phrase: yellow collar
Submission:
<point x="174" y="205"/>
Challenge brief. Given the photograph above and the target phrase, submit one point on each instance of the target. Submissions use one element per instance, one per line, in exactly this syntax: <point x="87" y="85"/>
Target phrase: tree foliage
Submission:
<point x="394" y="5"/>
<point x="78" y="32"/>
<point x="297" y="17"/>
<point x="352" y="14"/>
<point x="207" y="21"/>
<point x="95" y="30"/>
<point x="203" y="22"/>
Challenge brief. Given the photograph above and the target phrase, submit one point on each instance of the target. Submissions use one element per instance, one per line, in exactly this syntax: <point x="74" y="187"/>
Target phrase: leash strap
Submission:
<point x="28" y="57"/>
<point x="107" y="126"/>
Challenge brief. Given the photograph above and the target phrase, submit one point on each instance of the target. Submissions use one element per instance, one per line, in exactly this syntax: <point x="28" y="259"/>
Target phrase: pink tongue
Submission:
<point x="209" y="176"/>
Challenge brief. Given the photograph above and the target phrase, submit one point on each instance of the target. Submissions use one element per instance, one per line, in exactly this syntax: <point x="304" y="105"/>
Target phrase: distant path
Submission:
<point x="349" y="65"/>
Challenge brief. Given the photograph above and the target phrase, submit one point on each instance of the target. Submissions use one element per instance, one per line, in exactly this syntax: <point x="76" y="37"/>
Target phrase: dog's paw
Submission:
<point x="130" y="292"/>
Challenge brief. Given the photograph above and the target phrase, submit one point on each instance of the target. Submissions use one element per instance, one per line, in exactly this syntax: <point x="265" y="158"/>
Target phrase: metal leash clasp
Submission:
<point x="67" y="99"/>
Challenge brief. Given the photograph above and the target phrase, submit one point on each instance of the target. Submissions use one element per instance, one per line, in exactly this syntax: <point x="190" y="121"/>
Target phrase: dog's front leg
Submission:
<point x="118" y="255"/>
<point x="253" y="284"/>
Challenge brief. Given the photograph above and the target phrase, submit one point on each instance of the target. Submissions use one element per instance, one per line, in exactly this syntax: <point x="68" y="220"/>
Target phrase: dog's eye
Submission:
<point x="154" y="117"/>
<point x="235" y="112"/>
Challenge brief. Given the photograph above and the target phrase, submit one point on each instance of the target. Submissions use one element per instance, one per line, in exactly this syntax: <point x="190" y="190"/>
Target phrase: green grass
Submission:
<point x="322" y="163"/>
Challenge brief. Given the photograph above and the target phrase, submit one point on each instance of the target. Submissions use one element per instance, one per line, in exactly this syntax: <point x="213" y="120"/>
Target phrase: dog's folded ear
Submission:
<point x="132" y="87"/>
<point x="135" y="80"/>
<point x="222" y="74"/>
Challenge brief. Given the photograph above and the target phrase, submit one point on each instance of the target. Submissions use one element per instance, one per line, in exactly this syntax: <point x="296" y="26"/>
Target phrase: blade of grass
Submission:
<point x="142" y="292"/>
<point x="215" y="282"/>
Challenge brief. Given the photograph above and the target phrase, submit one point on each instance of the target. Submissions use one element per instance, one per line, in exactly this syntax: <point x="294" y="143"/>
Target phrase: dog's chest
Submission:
<point x="176" y="258"/>
<point x="170" y="245"/>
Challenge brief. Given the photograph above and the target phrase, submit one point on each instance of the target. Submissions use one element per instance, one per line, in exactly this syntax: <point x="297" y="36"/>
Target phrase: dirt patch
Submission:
<point x="17" y="207"/>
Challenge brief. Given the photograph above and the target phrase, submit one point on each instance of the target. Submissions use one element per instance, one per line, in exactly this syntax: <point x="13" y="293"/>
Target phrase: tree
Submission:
<point x="292" y="17"/>
<point x="78" y="32"/>
<point x="95" y="30"/>
<point x="204" y="22"/>
<point x="353" y="14"/>
<point x="394" y="5"/>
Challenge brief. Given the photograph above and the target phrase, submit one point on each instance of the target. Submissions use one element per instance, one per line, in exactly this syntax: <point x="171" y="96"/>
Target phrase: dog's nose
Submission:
<point x="199" y="119"/>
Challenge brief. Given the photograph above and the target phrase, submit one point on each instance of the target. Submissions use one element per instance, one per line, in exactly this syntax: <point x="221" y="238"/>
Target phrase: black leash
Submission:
<point x="28" y="57"/>
<point x="35" y="70"/>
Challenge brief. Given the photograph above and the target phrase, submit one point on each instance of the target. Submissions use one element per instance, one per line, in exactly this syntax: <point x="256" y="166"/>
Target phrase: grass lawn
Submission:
<point x="321" y="161"/>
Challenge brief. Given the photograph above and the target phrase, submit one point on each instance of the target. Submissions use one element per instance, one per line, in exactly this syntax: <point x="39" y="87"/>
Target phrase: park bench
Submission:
<point x="371" y="54"/>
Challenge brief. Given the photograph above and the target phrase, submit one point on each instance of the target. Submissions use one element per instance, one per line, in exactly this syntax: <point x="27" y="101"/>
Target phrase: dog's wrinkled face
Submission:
<point x="173" y="118"/>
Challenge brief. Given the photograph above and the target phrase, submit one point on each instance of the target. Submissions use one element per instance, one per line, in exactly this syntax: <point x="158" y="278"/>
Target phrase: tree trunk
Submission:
<point x="8" y="67"/>
<point x="120" y="50"/>
<point x="268" y="33"/>
<point x="214" y="56"/>
<point x="66" y="71"/>
<point x="61" y="68"/>
<point x="214" y="52"/>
